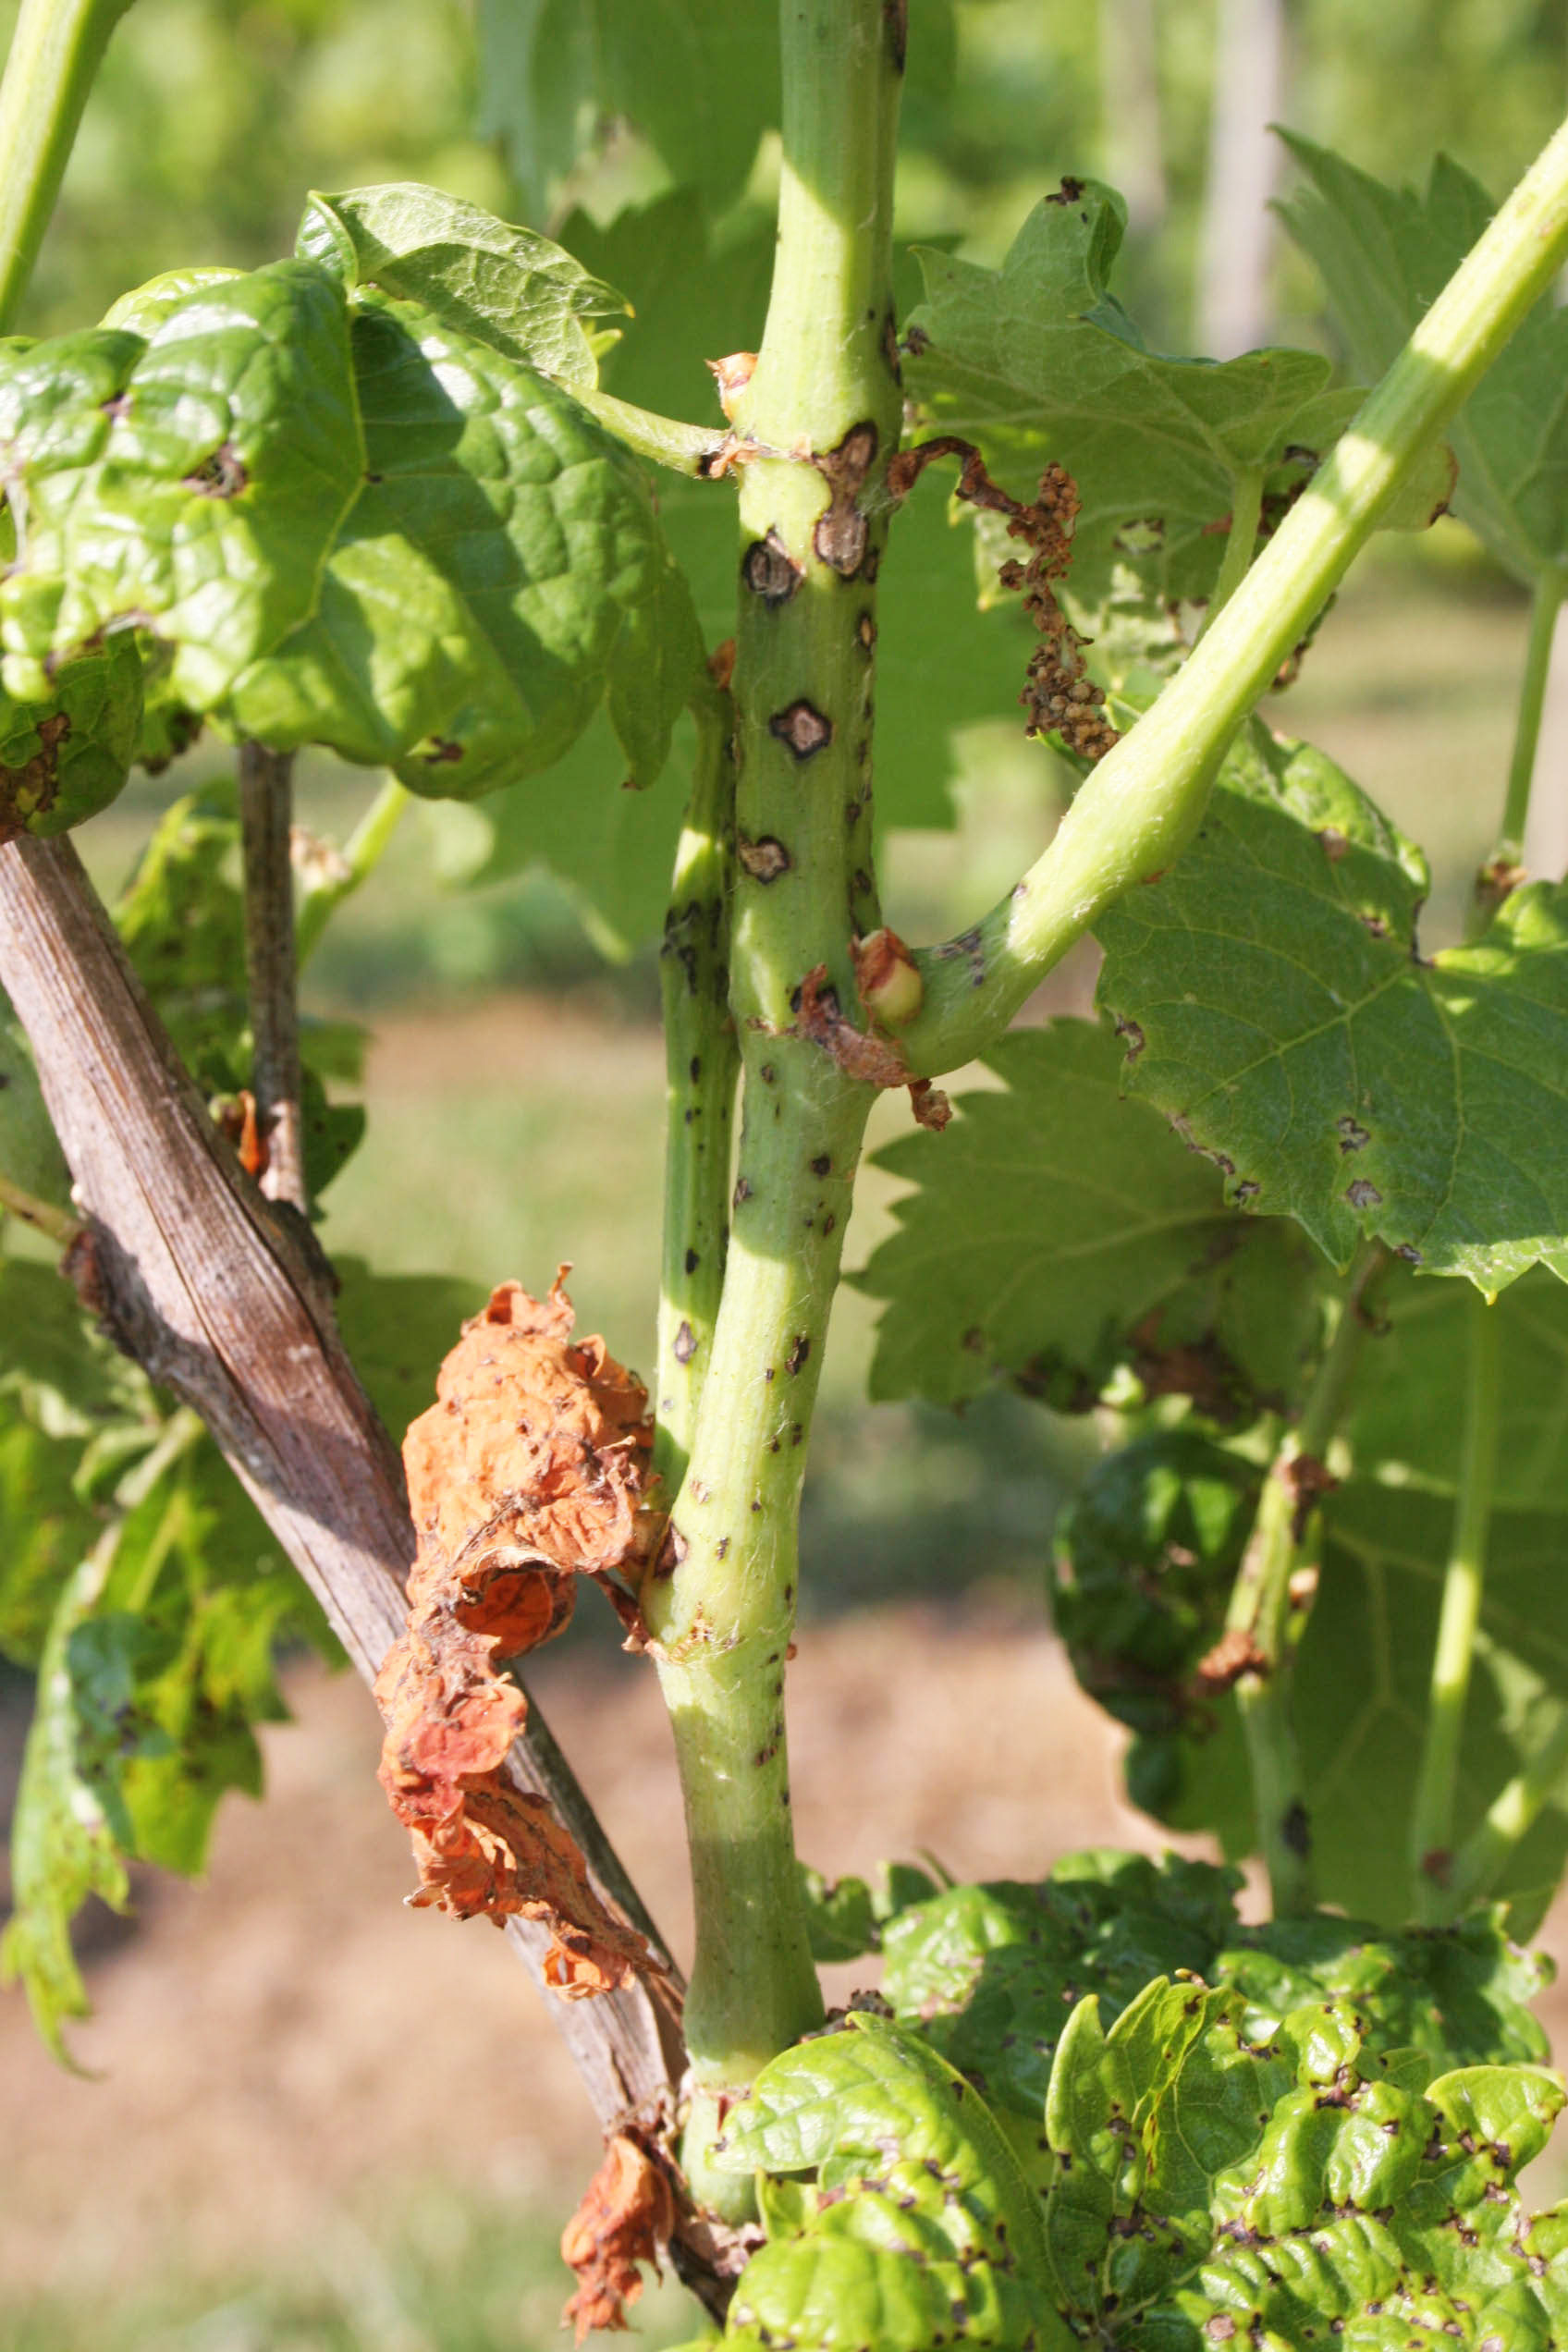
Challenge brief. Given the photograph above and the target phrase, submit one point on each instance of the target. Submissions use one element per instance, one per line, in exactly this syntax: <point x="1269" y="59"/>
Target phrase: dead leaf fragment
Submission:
<point x="532" y="1468"/>
<point x="931" y="1107"/>
<point x="1234" y="1655"/>
<point x="732" y="375"/>
<point x="536" y="1441"/>
<point x="625" y="2218"/>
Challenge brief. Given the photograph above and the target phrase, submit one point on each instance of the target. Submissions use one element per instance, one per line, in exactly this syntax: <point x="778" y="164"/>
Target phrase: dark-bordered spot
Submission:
<point x="803" y="728"/>
<point x="770" y="572"/>
<point x="222" y="476"/>
<point x="766" y="860"/>
<point x="839" y="539"/>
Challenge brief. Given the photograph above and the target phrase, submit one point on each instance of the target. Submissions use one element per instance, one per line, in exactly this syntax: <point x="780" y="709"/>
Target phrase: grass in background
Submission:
<point x="448" y="2276"/>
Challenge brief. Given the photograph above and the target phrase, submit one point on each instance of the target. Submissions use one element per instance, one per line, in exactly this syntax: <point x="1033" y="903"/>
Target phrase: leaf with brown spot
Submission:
<point x="532" y="1467"/>
<point x="625" y="2218"/>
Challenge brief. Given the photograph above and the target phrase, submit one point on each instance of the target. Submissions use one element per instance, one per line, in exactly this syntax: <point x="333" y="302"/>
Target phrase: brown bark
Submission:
<point x="224" y="1299"/>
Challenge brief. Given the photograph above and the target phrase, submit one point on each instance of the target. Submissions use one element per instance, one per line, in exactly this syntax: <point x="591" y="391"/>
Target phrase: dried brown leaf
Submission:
<point x="625" y="2218"/>
<point x="536" y="1441"/>
<point x="532" y="1467"/>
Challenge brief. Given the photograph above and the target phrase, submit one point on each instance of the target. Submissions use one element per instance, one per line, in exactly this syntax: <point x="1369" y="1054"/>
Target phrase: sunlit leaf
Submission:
<point x="493" y="283"/>
<point x="1278" y="1010"/>
<point x="193" y="481"/>
<point x="919" y="2222"/>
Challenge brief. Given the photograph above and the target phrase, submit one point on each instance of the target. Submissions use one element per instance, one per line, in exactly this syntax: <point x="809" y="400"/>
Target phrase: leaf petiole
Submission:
<point x="1268" y="1611"/>
<point x="1502" y="868"/>
<point x="57" y="1224"/>
<point x="1241" y="542"/>
<point x="683" y="448"/>
<point x="1432" y="1824"/>
<point x="1481" y="1859"/>
<point x="362" y="853"/>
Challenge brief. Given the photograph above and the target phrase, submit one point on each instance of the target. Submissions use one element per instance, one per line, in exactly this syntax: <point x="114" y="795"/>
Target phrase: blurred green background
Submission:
<point x="515" y="1082"/>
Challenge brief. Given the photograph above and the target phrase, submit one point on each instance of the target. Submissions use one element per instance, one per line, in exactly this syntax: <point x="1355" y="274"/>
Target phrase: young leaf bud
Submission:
<point x="890" y="982"/>
<point x="732" y="375"/>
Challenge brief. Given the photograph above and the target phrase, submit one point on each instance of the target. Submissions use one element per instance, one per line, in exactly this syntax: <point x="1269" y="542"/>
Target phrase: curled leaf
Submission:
<point x="532" y="1468"/>
<point x="537" y="1441"/>
<point x="625" y="2218"/>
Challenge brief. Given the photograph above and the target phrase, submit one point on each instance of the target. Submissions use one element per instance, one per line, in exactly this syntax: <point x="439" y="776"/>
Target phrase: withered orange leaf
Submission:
<point x="536" y="1441"/>
<point x="530" y="1469"/>
<point x="625" y="2218"/>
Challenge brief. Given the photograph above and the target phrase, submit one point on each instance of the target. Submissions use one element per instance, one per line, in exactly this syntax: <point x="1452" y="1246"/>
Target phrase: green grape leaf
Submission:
<point x="1053" y="1237"/>
<point x="1321" y="2136"/>
<point x="491" y="283"/>
<point x="1280" y="1013"/>
<point x="157" y="1663"/>
<point x="46" y="1531"/>
<point x="63" y="1844"/>
<point x="476" y="594"/>
<point x="656" y="664"/>
<point x="1305" y="2186"/>
<point x="990" y="1973"/>
<point x="845" y="1917"/>
<point x="63" y="760"/>
<point x="144" y="309"/>
<point x="192" y="1663"/>
<point x="919" y="2222"/>
<point x="613" y="849"/>
<point x="30" y="1150"/>
<point x="1145" y="1559"/>
<point x="839" y="1919"/>
<point x="1226" y="2171"/>
<point x="1038" y="361"/>
<point x="345" y="522"/>
<point x="699" y="79"/>
<point x="1362" y="1671"/>
<point x="1384" y="254"/>
<point x="1362" y="1688"/>
<point x="1458" y="1997"/>
<point x="192" y="483"/>
<point x="169" y="726"/>
<point x="397" y="1329"/>
<point x="182" y="919"/>
<point x="67" y="1378"/>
